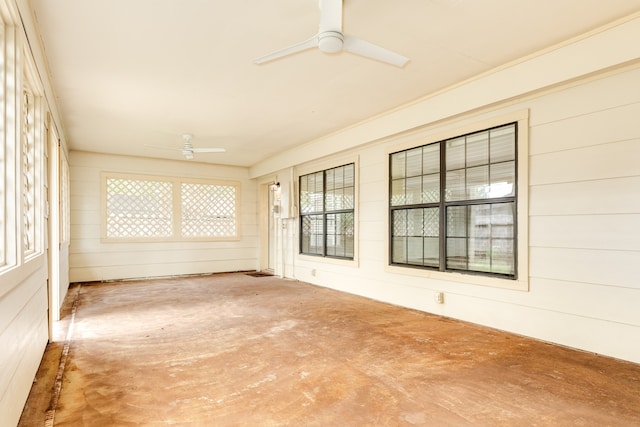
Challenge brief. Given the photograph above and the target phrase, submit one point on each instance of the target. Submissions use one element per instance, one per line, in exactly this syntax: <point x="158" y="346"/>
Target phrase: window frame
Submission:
<point x="452" y="130"/>
<point x="176" y="208"/>
<point x="324" y="213"/>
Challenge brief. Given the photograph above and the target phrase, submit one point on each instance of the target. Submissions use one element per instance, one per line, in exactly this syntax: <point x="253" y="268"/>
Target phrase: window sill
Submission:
<point x="469" y="279"/>
<point x="328" y="260"/>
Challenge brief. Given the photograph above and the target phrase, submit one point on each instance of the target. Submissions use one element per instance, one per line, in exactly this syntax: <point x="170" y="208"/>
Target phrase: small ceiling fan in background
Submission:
<point x="331" y="39"/>
<point x="188" y="150"/>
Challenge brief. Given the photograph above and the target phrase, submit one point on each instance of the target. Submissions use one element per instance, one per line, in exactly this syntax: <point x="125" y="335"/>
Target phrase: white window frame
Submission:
<point x="419" y="139"/>
<point x="176" y="204"/>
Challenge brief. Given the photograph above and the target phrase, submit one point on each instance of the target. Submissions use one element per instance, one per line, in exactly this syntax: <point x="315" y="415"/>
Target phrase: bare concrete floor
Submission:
<point x="235" y="350"/>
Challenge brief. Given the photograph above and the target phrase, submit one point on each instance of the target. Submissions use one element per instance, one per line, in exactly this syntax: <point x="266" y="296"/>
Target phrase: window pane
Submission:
<point x="503" y="220"/>
<point x="414" y="162"/>
<point x="397" y="192"/>
<point x="340" y="234"/>
<point x="431" y="251"/>
<point x="311" y="193"/>
<point x="457" y="221"/>
<point x="399" y="250"/>
<point x="455" y="154"/>
<point x="503" y="178"/>
<point x="457" y="253"/>
<point x="477" y="149"/>
<point x="431" y="188"/>
<point x="432" y="222"/>
<point x="480" y="255"/>
<point x="486" y="245"/>
<point x="413" y="190"/>
<point x="477" y="183"/>
<point x="348" y="201"/>
<point x="399" y="219"/>
<point x="503" y="144"/>
<point x="415" y="225"/>
<point x="398" y="165"/>
<point x="312" y="234"/>
<point x="455" y="187"/>
<point x="431" y="159"/>
<point x="415" y="236"/>
<point x="502" y="256"/>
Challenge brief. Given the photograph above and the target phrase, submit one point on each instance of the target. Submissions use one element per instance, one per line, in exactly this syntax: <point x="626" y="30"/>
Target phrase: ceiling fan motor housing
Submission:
<point x="330" y="41"/>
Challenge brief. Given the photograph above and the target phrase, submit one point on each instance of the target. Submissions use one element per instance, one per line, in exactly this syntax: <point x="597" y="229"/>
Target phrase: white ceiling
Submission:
<point x="132" y="75"/>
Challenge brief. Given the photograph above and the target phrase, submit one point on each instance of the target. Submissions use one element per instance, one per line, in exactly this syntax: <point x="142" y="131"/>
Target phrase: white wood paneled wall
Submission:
<point x="584" y="219"/>
<point x="92" y="260"/>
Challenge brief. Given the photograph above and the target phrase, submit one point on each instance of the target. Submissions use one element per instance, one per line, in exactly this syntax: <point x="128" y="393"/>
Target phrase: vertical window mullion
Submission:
<point x="442" y="206"/>
<point x="324" y="213"/>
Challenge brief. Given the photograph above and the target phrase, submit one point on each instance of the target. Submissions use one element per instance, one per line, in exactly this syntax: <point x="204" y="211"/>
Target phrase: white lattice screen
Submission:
<point x="65" y="226"/>
<point x="28" y="174"/>
<point x="169" y="208"/>
<point x="139" y="208"/>
<point x="208" y="210"/>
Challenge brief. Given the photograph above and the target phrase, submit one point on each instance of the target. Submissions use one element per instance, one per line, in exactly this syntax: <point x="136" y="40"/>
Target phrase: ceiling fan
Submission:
<point x="188" y="150"/>
<point x="331" y="39"/>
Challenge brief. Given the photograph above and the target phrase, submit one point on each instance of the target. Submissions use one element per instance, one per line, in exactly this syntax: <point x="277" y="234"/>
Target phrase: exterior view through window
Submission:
<point x="453" y="204"/>
<point x="327" y="200"/>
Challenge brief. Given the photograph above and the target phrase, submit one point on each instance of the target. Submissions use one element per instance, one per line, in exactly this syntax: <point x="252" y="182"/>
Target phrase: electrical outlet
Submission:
<point x="439" y="297"/>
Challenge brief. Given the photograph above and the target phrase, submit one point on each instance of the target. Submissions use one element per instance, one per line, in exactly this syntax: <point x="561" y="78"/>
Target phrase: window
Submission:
<point x="163" y="208"/>
<point x="327" y="200"/>
<point x="28" y="174"/>
<point x="453" y="204"/>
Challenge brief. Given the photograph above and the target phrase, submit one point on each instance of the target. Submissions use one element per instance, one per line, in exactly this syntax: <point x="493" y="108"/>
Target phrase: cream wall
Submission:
<point x="93" y="260"/>
<point x="25" y="281"/>
<point x="583" y="195"/>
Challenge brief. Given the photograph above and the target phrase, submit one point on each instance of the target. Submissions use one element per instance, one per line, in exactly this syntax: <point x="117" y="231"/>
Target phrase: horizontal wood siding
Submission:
<point x="584" y="216"/>
<point x="23" y="337"/>
<point x="92" y="260"/>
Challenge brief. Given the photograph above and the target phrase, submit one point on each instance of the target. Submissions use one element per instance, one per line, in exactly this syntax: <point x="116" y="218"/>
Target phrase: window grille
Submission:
<point x="453" y="204"/>
<point x="167" y="208"/>
<point x="208" y="210"/>
<point x="327" y="200"/>
<point x="65" y="226"/>
<point x="28" y="174"/>
<point x="139" y="208"/>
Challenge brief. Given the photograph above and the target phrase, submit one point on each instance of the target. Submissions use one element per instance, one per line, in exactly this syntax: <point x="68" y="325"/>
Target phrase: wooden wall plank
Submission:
<point x="603" y="196"/>
<point x="609" y="232"/>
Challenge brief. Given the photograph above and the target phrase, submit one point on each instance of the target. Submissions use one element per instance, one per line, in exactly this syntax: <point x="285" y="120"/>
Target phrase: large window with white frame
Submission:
<point x="453" y="204"/>
<point x="22" y="156"/>
<point x="148" y="208"/>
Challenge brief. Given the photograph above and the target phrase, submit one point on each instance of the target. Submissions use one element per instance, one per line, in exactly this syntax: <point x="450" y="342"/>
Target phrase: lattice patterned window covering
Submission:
<point x="169" y="208"/>
<point x="65" y="226"/>
<point x="208" y="210"/>
<point x="28" y="175"/>
<point x="139" y="208"/>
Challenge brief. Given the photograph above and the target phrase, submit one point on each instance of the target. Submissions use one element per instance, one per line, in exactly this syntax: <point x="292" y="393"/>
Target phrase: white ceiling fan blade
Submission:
<point x="372" y="51"/>
<point x="330" y="15"/>
<point x="307" y="44"/>
<point x="207" y="150"/>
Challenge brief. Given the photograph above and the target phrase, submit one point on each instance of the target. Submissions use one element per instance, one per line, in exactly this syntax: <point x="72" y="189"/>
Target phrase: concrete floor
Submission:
<point x="235" y="350"/>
